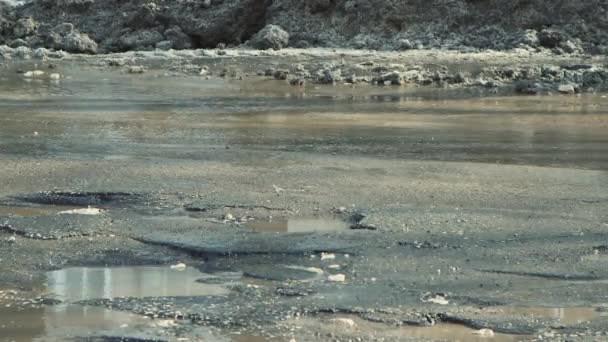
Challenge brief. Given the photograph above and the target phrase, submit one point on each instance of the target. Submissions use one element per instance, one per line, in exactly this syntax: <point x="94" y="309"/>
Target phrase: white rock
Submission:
<point x="11" y="239"/>
<point x="327" y="256"/>
<point x="438" y="299"/>
<point x="54" y="76"/>
<point x="228" y="217"/>
<point x="344" y="321"/>
<point x="484" y="332"/>
<point x="28" y="74"/>
<point x="334" y="267"/>
<point x="566" y="89"/>
<point x="337" y="277"/>
<point x="314" y="270"/>
<point x="203" y="72"/>
<point x="85" y="211"/>
<point x="179" y="266"/>
<point x="136" y="69"/>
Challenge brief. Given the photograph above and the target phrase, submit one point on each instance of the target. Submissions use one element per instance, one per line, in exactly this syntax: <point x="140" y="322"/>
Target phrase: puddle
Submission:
<point x="299" y="225"/>
<point x="566" y="316"/>
<point x="83" y="283"/>
<point x="443" y="332"/>
<point x="58" y="323"/>
<point x="452" y="332"/>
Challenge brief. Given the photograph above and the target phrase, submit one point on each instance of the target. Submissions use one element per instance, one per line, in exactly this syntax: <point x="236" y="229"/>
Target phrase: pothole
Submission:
<point x="52" y="323"/>
<point x="352" y="326"/>
<point x="299" y="225"/>
<point x="565" y="316"/>
<point x="85" y="283"/>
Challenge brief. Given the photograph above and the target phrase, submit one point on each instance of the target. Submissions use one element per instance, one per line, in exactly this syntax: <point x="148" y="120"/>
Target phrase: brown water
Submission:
<point x="104" y="115"/>
<point x="23" y="323"/>
<point x="56" y="323"/>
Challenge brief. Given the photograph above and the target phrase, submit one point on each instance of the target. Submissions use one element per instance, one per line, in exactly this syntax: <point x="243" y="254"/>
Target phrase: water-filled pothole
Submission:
<point x="299" y="225"/>
<point x="84" y="283"/>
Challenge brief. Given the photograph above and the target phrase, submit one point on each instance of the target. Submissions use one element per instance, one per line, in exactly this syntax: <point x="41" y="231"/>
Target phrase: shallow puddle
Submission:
<point x="566" y="316"/>
<point x="299" y="225"/>
<point x="83" y="283"/>
<point x="353" y="325"/>
<point x="453" y="332"/>
<point x="57" y="323"/>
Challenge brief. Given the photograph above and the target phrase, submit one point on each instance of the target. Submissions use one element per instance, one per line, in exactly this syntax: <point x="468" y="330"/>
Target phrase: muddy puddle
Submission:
<point x="25" y="323"/>
<point x="122" y="118"/>
<point x="83" y="283"/>
<point x="296" y="225"/>
<point x="57" y="323"/>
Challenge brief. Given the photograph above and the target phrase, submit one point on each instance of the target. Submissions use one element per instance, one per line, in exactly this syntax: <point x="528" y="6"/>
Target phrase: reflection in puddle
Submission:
<point x="75" y="284"/>
<point x="566" y="316"/>
<point x="453" y="332"/>
<point x="57" y="323"/>
<point x="299" y="225"/>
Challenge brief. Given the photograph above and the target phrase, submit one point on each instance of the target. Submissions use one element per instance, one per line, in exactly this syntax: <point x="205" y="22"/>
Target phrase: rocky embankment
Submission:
<point x="562" y="26"/>
<point x="42" y="29"/>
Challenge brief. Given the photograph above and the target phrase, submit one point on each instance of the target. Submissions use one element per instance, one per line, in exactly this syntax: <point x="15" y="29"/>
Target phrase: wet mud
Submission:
<point x="233" y="212"/>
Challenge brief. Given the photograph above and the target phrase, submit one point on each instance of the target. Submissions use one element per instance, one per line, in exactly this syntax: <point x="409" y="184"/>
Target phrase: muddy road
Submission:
<point x="163" y="207"/>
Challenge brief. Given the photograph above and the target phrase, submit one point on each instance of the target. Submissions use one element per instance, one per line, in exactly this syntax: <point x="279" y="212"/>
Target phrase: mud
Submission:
<point x="487" y="211"/>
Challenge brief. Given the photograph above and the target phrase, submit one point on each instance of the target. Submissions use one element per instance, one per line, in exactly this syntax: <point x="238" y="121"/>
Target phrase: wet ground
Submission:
<point x="316" y="213"/>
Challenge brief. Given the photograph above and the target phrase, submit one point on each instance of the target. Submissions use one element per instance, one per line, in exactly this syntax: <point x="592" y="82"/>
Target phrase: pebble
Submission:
<point x="11" y="239"/>
<point x="438" y="299"/>
<point x="85" y="211"/>
<point x="337" y="277"/>
<point x="484" y="332"/>
<point x="179" y="266"/>
<point x="137" y="69"/>
<point x="54" y="76"/>
<point x="327" y="256"/>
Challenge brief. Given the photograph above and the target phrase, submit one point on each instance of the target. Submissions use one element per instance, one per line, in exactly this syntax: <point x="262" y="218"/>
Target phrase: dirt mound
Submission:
<point x="561" y="25"/>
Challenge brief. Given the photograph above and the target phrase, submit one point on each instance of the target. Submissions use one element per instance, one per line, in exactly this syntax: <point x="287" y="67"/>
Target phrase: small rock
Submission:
<point x="297" y="81"/>
<point x="11" y="239"/>
<point x="566" y="89"/>
<point x="85" y="211"/>
<point x="281" y="74"/>
<point x="228" y="217"/>
<point x="35" y="73"/>
<point x="437" y="299"/>
<point x="136" y="69"/>
<point x="179" y="266"/>
<point x="327" y="256"/>
<point x="484" y="332"/>
<point x="54" y="76"/>
<point x="270" y="37"/>
<point x="337" y="277"/>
